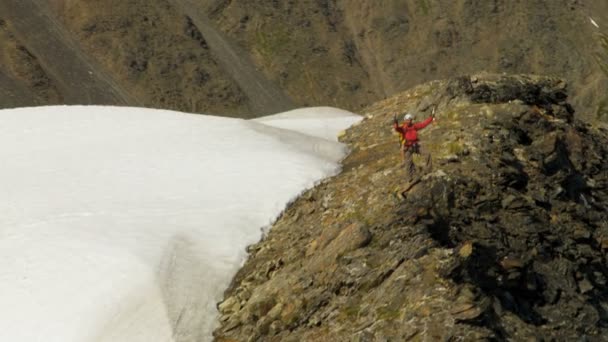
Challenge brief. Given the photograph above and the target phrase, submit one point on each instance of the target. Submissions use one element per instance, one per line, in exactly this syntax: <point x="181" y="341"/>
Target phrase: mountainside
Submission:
<point x="41" y="63"/>
<point x="351" y="53"/>
<point x="507" y="237"/>
<point x="243" y="58"/>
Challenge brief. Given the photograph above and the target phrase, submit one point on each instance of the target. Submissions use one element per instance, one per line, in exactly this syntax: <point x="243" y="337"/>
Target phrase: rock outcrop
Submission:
<point x="505" y="238"/>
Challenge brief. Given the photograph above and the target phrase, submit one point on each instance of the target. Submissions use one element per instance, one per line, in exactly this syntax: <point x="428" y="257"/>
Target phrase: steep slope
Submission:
<point x="155" y="50"/>
<point x="46" y="59"/>
<point x="264" y="96"/>
<point x="14" y="94"/>
<point x="244" y="58"/>
<point x="24" y="81"/>
<point x="505" y="238"/>
<point x="351" y="53"/>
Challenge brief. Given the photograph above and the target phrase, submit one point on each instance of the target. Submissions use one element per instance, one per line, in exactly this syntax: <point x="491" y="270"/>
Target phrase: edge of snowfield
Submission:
<point x="126" y="224"/>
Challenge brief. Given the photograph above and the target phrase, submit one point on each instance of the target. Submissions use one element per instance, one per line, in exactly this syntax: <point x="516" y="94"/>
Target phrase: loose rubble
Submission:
<point x="505" y="239"/>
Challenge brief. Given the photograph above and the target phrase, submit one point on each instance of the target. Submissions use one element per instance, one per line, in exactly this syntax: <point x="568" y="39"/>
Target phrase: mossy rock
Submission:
<point x="387" y="314"/>
<point x="455" y="147"/>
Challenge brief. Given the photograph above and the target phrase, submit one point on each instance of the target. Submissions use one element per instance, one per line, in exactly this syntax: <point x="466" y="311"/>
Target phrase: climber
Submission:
<point x="408" y="134"/>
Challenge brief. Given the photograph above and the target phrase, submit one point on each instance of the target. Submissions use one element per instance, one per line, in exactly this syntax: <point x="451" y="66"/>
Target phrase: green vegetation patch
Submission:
<point x="351" y="311"/>
<point x="602" y="110"/>
<point x="424" y="6"/>
<point x="455" y="147"/>
<point x="387" y="313"/>
<point x="602" y="60"/>
<point x="601" y="57"/>
<point x="270" y="41"/>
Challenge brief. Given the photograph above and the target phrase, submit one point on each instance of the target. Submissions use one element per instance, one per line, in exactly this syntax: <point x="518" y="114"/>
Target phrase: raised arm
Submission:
<point x="396" y="124"/>
<point x="424" y="123"/>
<point x="397" y="127"/>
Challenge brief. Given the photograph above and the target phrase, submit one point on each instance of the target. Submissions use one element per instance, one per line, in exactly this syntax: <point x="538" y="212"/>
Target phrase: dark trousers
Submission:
<point x="407" y="152"/>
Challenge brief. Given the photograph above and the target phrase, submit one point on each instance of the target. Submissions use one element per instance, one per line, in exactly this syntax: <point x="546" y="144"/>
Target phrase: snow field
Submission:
<point x="126" y="224"/>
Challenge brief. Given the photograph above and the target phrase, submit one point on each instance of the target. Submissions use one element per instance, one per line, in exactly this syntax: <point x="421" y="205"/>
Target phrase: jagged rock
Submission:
<point x="230" y="305"/>
<point x="466" y="250"/>
<point x="511" y="263"/>
<point x="466" y="312"/>
<point x="585" y="286"/>
<point x="508" y="243"/>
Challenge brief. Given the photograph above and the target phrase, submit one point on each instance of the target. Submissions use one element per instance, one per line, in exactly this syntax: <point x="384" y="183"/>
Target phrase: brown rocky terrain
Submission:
<point x="351" y="53"/>
<point x="506" y="238"/>
<point x="43" y="64"/>
<point x="156" y="50"/>
<point x="243" y="58"/>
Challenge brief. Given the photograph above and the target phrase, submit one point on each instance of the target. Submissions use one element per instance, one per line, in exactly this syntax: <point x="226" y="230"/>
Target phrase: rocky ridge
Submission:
<point x="505" y="239"/>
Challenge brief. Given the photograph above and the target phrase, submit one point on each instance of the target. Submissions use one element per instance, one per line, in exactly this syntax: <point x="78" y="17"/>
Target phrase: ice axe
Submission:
<point x="396" y="122"/>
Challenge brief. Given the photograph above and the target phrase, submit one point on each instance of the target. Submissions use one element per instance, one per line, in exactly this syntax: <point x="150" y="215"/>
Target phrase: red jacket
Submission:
<point x="409" y="134"/>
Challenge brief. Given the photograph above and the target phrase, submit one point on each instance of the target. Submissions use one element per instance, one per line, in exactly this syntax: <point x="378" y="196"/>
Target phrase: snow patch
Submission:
<point x="126" y="224"/>
<point x="594" y="23"/>
<point x="306" y="121"/>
